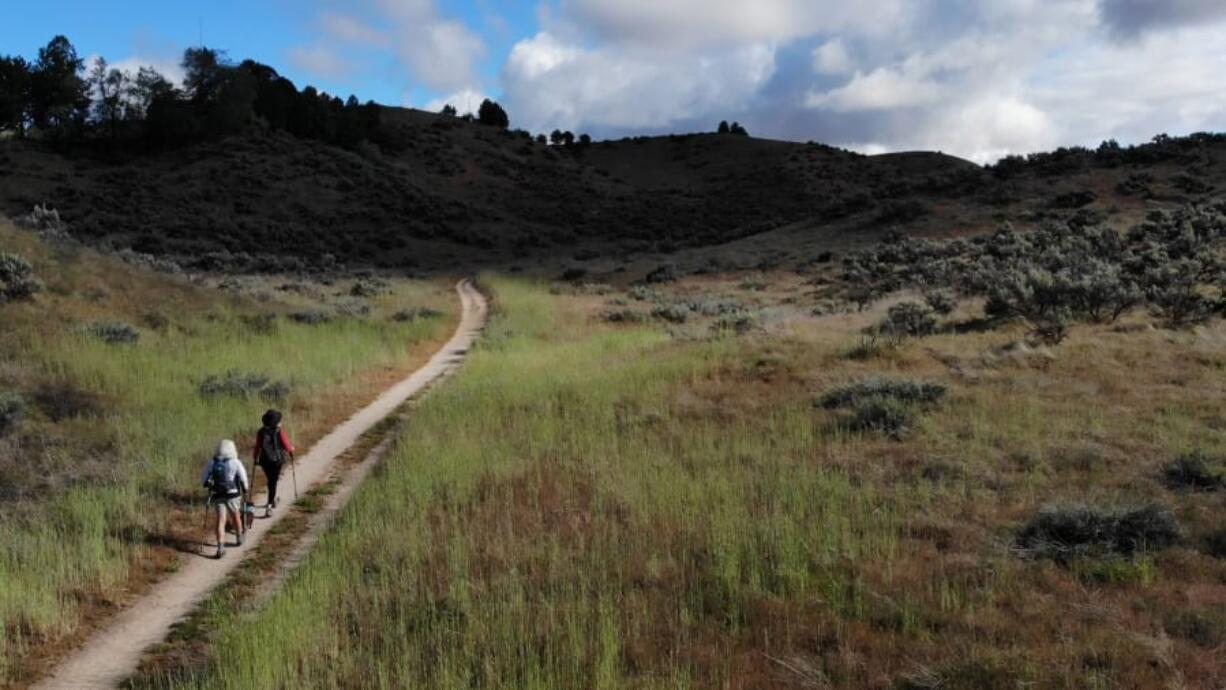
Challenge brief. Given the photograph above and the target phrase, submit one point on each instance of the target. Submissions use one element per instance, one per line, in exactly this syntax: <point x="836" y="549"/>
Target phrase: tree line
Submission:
<point x="59" y="98"/>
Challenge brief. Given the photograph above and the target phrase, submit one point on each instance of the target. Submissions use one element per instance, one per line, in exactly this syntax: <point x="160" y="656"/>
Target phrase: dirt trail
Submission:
<point x="112" y="653"/>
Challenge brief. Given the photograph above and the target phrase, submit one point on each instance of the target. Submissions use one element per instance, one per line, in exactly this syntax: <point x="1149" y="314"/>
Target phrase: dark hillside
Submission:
<point x="429" y="190"/>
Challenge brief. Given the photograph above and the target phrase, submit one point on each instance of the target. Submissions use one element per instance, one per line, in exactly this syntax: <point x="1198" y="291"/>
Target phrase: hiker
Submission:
<point x="272" y="446"/>
<point x="226" y="479"/>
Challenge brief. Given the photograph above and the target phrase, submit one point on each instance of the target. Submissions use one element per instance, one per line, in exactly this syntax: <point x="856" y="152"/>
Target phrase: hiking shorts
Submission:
<point x="222" y="504"/>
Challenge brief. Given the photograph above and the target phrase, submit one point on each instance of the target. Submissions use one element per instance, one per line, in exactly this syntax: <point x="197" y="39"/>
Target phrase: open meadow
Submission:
<point x="116" y="383"/>
<point x="752" y="495"/>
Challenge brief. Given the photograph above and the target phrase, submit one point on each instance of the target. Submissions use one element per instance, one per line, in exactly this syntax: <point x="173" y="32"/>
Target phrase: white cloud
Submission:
<point x="464" y="101"/>
<point x="716" y="22"/>
<point x="831" y="58"/>
<point x="169" y="68"/>
<point x="878" y="90"/>
<point x="320" y="60"/>
<point x="548" y="83"/>
<point x="437" y="52"/>
<point x="352" y="30"/>
<point x="441" y="53"/>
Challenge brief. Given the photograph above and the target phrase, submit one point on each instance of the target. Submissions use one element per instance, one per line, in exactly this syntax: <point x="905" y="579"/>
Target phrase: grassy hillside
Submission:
<point x="117" y="383"/>
<point x="434" y="191"/>
<point x="704" y="484"/>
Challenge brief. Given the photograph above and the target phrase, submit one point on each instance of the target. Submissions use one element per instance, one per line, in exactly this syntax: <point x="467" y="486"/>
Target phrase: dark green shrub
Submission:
<point x="735" y="322"/>
<point x="1193" y="471"/>
<point x="415" y="313"/>
<point x="1205" y="629"/>
<point x="65" y="399"/>
<point x="244" y="385"/>
<point x="368" y="288"/>
<point x="642" y="293"/>
<point x="1051" y="328"/>
<point x="673" y="313"/>
<point x="884" y="415"/>
<point x="624" y="316"/>
<point x="907" y="320"/>
<point x="887" y="406"/>
<point x="1065" y="532"/>
<point x="114" y="332"/>
<point x="17" y="281"/>
<point x="12" y="409"/>
<point x="1215" y="544"/>
<point x="662" y="274"/>
<point x="908" y="392"/>
<point x="263" y="324"/>
<point x="309" y="317"/>
<point x="941" y="302"/>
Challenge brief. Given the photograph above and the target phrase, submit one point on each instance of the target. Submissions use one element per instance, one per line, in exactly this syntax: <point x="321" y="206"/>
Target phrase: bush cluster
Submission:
<point x="114" y="332"/>
<point x="1193" y="471"/>
<point x="1075" y="270"/>
<point x="886" y="406"/>
<point x="677" y="312"/>
<point x="12" y="409"/>
<point x="415" y="313"/>
<point x="662" y="274"/>
<point x="17" y="281"/>
<point x="367" y="287"/>
<point x="738" y="322"/>
<point x="623" y="316"/>
<point x="1065" y="532"/>
<point x="902" y="390"/>
<point x="309" y="317"/>
<point x="906" y="320"/>
<point x="239" y="384"/>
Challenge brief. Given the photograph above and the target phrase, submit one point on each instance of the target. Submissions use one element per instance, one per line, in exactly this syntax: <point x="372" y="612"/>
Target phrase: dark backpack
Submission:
<point x="271" y="452"/>
<point x="221" y="482"/>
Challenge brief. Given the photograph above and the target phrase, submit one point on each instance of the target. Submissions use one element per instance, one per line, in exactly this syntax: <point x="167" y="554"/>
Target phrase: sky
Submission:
<point x="975" y="78"/>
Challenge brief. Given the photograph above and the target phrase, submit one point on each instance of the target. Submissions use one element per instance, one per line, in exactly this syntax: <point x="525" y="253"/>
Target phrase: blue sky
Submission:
<point x="977" y="78"/>
<point x="266" y="30"/>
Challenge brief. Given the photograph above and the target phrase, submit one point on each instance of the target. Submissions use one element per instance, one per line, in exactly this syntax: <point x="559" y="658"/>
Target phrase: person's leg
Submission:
<point x="234" y="508"/>
<point x="220" y="507"/>
<point x="271" y="473"/>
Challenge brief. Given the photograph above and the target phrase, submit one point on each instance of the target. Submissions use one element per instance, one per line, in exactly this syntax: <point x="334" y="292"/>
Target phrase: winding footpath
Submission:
<point x="113" y="652"/>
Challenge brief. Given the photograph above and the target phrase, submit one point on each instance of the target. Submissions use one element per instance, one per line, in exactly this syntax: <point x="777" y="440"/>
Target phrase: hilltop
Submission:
<point x="429" y="189"/>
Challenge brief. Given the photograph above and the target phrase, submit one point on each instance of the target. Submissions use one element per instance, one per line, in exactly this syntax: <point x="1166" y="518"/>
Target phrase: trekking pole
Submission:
<point x="293" y="470"/>
<point x="293" y="465"/>
<point x="204" y="538"/>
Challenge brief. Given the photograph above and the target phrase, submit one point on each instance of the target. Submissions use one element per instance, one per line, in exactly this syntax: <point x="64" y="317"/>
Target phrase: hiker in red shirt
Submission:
<point x="272" y="448"/>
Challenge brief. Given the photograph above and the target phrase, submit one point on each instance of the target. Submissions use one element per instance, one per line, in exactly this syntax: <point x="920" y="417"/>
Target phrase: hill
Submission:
<point x="427" y="190"/>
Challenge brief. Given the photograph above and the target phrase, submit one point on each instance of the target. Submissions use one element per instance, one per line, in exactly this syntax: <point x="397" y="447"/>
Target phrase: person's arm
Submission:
<point x="289" y="447"/>
<point x="204" y="476"/>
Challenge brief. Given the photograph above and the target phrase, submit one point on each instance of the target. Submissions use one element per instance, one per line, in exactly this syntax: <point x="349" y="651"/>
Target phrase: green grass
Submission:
<point x="591" y="506"/>
<point x="551" y="514"/>
<point x="100" y="486"/>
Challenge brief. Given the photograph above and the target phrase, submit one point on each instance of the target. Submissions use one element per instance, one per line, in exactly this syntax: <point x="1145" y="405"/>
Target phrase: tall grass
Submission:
<point x="116" y="474"/>
<point x="555" y="517"/>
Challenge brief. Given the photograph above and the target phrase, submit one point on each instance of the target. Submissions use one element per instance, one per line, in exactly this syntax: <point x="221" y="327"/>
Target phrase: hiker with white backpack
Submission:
<point x="226" y="479"/>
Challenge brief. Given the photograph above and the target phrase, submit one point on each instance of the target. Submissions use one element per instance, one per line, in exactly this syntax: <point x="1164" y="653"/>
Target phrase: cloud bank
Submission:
<point x="974" y="78"/>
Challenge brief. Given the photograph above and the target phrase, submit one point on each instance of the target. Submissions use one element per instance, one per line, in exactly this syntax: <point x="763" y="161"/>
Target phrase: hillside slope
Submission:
<point x="431" y="190"/>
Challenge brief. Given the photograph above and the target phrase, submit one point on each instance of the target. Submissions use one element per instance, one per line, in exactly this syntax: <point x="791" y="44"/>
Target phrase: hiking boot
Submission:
<point x="221" y="550"/>
<point x="268" y="511"/>
<point x="239" y="538"/>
